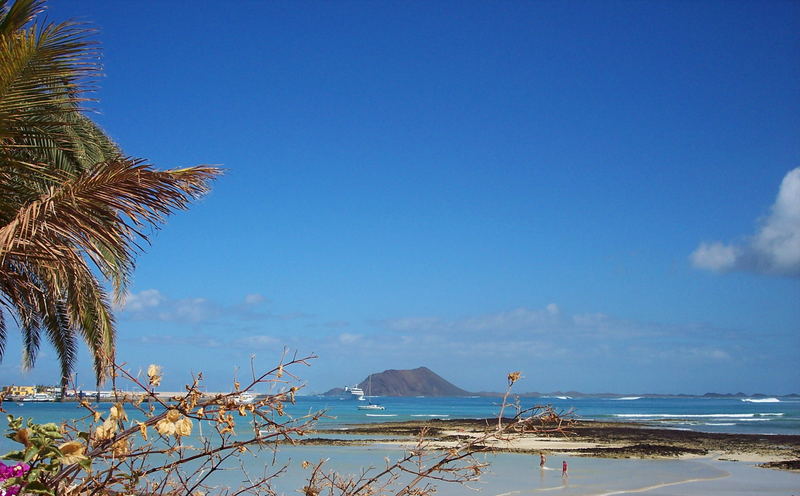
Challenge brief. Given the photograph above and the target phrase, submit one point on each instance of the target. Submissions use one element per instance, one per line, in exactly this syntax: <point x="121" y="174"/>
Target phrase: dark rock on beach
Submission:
<point x="784" y="465"/>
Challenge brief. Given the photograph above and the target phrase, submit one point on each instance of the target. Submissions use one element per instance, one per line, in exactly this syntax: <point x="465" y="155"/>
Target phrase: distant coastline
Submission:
<point x="422" y="381"/>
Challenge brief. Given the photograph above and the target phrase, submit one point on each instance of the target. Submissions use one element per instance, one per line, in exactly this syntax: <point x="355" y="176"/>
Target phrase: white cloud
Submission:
<point x="715" y="256"/>
<point x="199" y="340"/>
<point x="254" y="299"/>
<point x="149" y="298"/>
<point x="414" y="323"/>
<point x="151" y="304"/>
<point x="191" y="310"/>
<point x="257" y="341"/>
<point x="590" y="319"/>
<point x="774" y="249"/>
<point x="348" y="338"/>
<point x="517" y="319"/>
<point x="704" y="353"/>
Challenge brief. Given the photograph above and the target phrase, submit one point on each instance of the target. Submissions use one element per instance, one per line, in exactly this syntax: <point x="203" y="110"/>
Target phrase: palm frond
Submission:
<point x="42" y="68"/>
<point x="70" y="204"/>
<point x="100" y="214"/>
<point x="18" y="15"/>
<point x="2" y="333"/>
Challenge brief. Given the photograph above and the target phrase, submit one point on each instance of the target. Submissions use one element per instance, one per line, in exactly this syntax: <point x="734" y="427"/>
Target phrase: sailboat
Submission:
<point x="370" y="405"/>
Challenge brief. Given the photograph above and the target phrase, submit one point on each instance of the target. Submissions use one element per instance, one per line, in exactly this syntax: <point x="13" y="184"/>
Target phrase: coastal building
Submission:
<point x="19" y="390"/>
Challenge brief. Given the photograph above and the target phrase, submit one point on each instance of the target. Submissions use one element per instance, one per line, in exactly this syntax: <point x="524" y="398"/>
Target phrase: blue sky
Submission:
<point x="598" y="194"/>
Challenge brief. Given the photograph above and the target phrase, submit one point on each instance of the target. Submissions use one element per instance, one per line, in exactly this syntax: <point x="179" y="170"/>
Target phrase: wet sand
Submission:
<point x="592" y="439"/>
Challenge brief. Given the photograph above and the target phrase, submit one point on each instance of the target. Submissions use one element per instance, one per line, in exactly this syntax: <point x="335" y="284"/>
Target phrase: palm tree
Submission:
<point x="73" y="209"/>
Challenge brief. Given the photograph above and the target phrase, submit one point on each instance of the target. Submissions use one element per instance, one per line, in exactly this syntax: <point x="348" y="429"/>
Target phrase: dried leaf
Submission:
<point x="173" y="415"/>
<point x="117" y="412"/>
<point x="121" y="447"/>
<point x="22" y="436"/>
<point x="165" y="427"/>
<point x="143" y="430"/>
<point x="183" y="427"/>
<point x="72" y="452"/>
<point x="154" y="373"/>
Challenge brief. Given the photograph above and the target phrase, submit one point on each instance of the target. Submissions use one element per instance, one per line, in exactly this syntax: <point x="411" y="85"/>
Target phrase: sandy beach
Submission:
<point x="603" y="458"/>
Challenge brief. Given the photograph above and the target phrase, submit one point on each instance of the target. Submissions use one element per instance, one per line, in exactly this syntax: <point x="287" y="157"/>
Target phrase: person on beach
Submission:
<point x="564" y="468"/>
<point x="542" y="459"/>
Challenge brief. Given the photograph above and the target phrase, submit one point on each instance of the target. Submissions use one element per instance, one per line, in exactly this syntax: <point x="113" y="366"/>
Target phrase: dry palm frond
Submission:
<point x="98" y="216"/>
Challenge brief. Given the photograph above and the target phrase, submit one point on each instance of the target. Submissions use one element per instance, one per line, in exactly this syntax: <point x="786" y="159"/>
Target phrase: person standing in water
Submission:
<point x="542" y="459"/>
<point x="564" y="468"/>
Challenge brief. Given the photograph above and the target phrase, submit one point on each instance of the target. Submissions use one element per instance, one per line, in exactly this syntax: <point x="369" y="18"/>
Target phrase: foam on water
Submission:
<point x="761" y="400"/>
<point x="628" y="398"/>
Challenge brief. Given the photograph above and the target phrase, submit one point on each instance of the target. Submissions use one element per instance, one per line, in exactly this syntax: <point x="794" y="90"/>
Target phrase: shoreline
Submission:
<point x="586" y="439"/>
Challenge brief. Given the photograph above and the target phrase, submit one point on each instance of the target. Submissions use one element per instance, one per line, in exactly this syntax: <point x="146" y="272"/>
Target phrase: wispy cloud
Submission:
<point x="254" y="299"/>
<point x="152" y="304"/>
<point x="257" y="341"/>
<point x="774" y="249"/>
<point x="348" y="338"/>
<point x="204" y="340"/>
<point x="169" y="340"/>
<point x="548" y="321"/>
<point x="547" y="336"/>
<point x="511" y="320"/>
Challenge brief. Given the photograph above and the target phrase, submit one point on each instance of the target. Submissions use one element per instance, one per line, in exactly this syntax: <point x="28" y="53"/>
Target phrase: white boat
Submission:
<point x="356" y="392"/>
<point x="40" y="397"/>
<point x="245" y="399"/>
<point x="371" y="405"/>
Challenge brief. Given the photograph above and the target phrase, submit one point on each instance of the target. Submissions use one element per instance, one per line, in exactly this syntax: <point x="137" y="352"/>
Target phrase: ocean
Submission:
<point x="727" y="415"/>
<point x="512" y="474"/>
<point x="730" y="415"/>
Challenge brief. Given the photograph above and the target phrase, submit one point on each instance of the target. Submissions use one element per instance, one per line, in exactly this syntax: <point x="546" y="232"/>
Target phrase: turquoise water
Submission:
<point x="702" y="414"/>
<point x="519" y="474"/>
